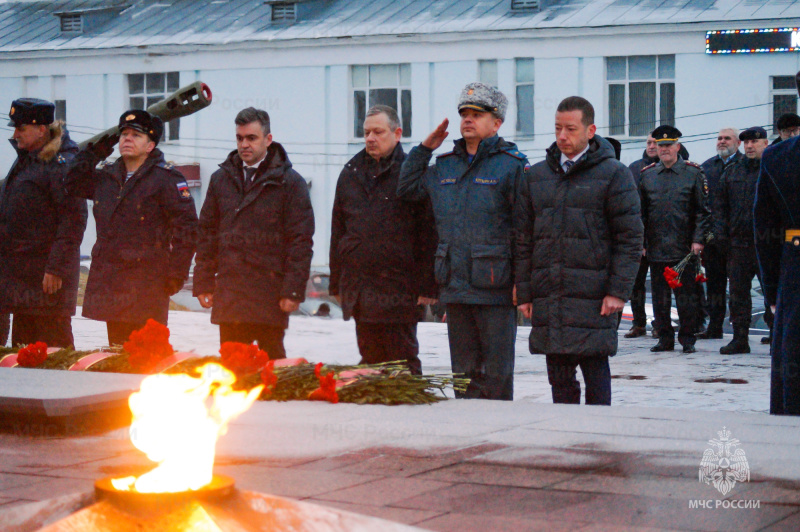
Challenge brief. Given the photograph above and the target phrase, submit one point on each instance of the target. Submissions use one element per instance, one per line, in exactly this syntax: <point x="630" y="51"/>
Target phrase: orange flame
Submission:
<point x="176" y="422"/>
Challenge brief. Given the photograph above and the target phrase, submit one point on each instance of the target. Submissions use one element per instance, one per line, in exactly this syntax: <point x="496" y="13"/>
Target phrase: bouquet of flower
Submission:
<point x="148" y="346"/>
<point x="673" y="275"/>
<point x="32" y="355"/>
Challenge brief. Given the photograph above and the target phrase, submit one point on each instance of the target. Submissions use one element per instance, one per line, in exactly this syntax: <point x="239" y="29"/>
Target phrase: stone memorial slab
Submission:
<point x="44" y="402"/>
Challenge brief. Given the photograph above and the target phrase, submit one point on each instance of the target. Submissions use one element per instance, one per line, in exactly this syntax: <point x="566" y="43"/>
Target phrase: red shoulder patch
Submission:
<point x="690" y="163"/>
<point x="647" y="167"/>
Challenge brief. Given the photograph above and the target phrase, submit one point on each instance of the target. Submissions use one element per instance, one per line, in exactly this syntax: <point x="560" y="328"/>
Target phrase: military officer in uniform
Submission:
<point x="146" y="227"/>
<point x="478" y="193"/>
<point x="733" y="231"/>
<point x="40" y="229"/>
<point x="777" y="232"/>
<point x="676" y="220"/>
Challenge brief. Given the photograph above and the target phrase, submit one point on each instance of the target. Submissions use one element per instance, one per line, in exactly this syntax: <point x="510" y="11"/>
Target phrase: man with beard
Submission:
<point x="713" y="256"/>
<point x="478" y="194"/>
<point x="146" y="227"/>
<point x="255" y="246"/>
<point x="676" y="220"/>
<point x="733" y="229"/>
<point x="381" y="252"/>
<point x="40" y="230"/>
<point x="581" y="241"/>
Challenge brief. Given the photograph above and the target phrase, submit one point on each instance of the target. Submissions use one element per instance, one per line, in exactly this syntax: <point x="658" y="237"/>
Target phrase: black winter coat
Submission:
<point x="382" y="248"/>
<point x="146" y="233"/>
<point x="40" y="230"/>
<point x="675" y="210"/>
<point x="636" y="167"/>
<point x="713" y="168"/>
<point x="584" y="243"/>
<point x="733" y="204"/>
<point x="255" y="244"/>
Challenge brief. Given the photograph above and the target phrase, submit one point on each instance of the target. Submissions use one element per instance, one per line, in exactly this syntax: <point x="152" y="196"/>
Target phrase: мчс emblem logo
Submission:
<point x="724" y="465"/>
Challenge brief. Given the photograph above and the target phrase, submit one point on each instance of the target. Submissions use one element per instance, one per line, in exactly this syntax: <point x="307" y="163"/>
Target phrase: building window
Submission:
<point x="641" y="93"/>
<point x="60" y="97"/>
<point x="783" y="97"/>
<point x="284" y="12"/>
<point x="381" y="84"/>
<point x="487" y="72"/>
<point x="145" y="90"/>
<point x="525" y="104"/>
<point x="71" y="23"/>
<point x="524" y="5"/>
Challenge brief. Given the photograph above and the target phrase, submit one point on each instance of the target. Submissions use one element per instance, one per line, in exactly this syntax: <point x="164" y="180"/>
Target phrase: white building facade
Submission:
<point x="316" y="78"/>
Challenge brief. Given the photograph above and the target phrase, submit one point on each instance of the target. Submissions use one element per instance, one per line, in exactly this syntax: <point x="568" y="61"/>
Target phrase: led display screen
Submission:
<point x="751" y="41"/>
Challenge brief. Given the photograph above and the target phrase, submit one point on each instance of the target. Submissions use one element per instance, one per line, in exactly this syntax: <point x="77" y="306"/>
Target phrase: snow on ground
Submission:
<point x="640" y="378"/>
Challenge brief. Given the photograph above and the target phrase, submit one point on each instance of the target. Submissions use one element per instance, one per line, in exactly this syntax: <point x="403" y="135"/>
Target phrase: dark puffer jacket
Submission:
<point x="675" y="210"/>
<point x="146" y="233"/>
<point x="585" y="241"/>
<point x="382" y="248"/>
<point x="733" y="204"/>
<point x="478" y="209"/>
<point x="255" y="242"/>
<point x="40" y="230"/>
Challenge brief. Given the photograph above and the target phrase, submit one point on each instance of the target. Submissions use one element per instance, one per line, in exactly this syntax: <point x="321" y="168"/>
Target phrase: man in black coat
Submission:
<point x="382" y="248"/>
<point x="40" y="229"/>
<point x="255" y="246"/>
<point x="639" y="295"/>
<point x="713" y="255"/>
<point x="733" y="231"/>
<point x="676" y="219"/>
<point x="581" y="247"/>
<point x="146" y="227"/>
<point x="788" y="126"/>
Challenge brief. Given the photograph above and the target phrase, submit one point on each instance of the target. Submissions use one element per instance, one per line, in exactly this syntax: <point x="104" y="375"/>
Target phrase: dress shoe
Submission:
<point x="710" y="334"/>
<point x="663" y="345"/>
<point x="766" y="339"/>
<point x="687" y="349"/>
<point x="654" y="333"/>
<point x="636" y="332"/>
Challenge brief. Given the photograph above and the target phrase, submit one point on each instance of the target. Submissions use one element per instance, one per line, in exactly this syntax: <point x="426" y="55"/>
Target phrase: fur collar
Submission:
<point x="53" y="146"/>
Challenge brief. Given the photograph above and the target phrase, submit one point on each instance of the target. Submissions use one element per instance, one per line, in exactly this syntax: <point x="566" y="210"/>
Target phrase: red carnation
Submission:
<point x="327" y="387"/>
<point x="243" y="359"/>
<point x="32" y="355"/>
<point x="269" y="378"/>
<point x="148" y="346"/>
<point x="669" y="273"/>
<point x="700" y="278"/>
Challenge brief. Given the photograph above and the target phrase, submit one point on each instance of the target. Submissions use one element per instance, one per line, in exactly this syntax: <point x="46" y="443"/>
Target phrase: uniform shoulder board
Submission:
<point x="445" y="154"/>
<point x="104" y="164"/>
<point x="649" y="166"/>
<point x="695" y="165"/>
<point x="60" y="159"/>
<point x="515" y="153"/>
<point x="166" y="165"/>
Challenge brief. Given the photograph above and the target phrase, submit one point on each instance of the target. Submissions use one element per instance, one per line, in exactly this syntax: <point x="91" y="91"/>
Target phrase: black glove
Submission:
<point x="103" y="149"/>
<point x="174" y="286"/>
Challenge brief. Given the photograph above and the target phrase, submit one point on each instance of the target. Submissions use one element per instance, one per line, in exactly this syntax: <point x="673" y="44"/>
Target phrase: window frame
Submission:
<point x="657" y="79"/>
<point x="532" y="83"/>
<point x="172" y="127"/>
<point x="779" y="92"/>
<point x="399" y="87"/>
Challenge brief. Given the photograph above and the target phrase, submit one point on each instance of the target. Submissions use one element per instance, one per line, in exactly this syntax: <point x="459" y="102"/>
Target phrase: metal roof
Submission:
<point x="34" y="25"/>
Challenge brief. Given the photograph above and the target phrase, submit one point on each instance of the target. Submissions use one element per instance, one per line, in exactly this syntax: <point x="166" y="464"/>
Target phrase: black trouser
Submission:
<point x="269" y="339"/>
<point x="715" y="260"/>
<point x="742" y="268"/>
<point x="119" y="332"/>
<point x="387" y="342"/>
<point x="639" y="295"/>
<point x="685" y="298"/>
<point x="55" y="331"/>
<point x="565" y="386"/>
<point x="482" y="339"/>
